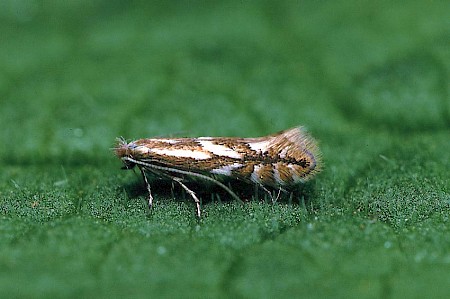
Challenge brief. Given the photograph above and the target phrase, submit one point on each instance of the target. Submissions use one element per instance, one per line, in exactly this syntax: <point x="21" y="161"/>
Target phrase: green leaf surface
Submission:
<point x="369" y="79"/>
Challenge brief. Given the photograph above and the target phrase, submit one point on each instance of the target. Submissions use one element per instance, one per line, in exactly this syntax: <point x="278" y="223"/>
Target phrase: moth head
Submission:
<point x="123" y="151"/>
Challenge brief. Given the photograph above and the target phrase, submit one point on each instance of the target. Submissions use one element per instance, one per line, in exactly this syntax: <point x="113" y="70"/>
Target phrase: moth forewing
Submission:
<point x="278" y="161"/>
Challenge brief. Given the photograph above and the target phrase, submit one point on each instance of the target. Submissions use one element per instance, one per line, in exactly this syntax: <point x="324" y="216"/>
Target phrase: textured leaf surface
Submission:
<point x="368" y="79"/>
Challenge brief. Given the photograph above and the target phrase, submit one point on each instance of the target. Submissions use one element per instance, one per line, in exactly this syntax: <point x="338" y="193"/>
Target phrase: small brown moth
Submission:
<point x="279" y="161"/>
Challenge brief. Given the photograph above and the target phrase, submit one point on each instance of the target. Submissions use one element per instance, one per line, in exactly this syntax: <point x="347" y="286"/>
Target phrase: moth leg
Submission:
<point x="278" y="195"/>
<point x="268" y="192"/>
<point x="150" y="197"/>
<point x="164" y="171"/>
<point x="191" y="193"/>
<point x="280" y="189"/>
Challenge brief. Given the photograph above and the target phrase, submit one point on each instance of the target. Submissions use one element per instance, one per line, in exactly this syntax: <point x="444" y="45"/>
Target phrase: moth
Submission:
<point x="278" y="161"/>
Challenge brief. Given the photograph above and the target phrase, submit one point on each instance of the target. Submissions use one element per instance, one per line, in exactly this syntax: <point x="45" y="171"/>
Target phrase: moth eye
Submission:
<point x="127" y="164"/>
<point x="281" y="159"/>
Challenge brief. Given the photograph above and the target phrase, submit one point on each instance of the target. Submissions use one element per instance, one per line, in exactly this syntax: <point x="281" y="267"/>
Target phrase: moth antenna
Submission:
<point x="277" y="162"/>
<point x="194" y="174"/>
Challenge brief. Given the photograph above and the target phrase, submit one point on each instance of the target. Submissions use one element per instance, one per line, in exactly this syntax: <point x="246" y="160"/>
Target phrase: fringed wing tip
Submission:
<point x="300" y="135"/>
<point x="311" y="146"/>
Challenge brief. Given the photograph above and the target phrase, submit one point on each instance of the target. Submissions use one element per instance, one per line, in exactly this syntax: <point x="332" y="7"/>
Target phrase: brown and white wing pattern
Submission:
<point x="281" y="160"/>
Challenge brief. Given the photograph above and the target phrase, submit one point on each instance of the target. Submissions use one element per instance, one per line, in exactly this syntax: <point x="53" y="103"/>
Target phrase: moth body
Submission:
<point x="278" y="161"/>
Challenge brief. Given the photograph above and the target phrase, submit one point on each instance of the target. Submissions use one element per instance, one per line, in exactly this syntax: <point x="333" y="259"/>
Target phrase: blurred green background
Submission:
<point x="369" y="79"/>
